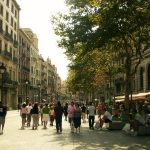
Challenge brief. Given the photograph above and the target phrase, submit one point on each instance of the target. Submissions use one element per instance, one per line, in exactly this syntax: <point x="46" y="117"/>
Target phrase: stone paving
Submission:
<point x="41" y="139"/>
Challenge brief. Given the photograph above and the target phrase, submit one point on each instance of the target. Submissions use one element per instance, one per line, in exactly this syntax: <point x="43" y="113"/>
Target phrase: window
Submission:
<point x="6" y="29"/>
<point x="37" y="72"/>
<point x="1" y="24"/>
<point x="11" y="34"/>
<point x="1" y="10"/>
<point x="14" y="54"/>
<point x="12" y="21"/>
<point x="11" y="50"/>
<point x="6" y="46"/>
<point x="12" y="8"/>
<point x="7" y="16"/>
<point x="13" y="76"/>
<point x="32" y="70"/>
<point x="15" y="37"/>
<point x="16" y="13"/>
<point x="10" y="73"/>
<point x="7" y="3"/>
<point x="15" y="26"/>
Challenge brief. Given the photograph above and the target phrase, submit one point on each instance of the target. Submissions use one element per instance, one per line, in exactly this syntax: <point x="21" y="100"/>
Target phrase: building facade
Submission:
<point x="9" y="24"/>
<point x="23" y="66"/>
<point x="27" y="76"/>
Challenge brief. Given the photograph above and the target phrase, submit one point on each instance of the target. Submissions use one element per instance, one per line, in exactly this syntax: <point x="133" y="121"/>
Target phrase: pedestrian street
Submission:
<point x="47" y="139"/>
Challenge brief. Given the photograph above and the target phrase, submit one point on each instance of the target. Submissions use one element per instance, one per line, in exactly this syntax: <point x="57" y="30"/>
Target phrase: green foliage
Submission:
<point x="95" y="33"/>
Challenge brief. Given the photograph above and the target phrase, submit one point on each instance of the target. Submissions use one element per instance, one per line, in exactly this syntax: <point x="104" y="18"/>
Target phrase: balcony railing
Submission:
<point x="16" y="43"/>
<point x="1" y="31"/>
<point x="15" y="82"/>
<point x="25" y="68"/>
<point x="8" y="37"/>
<point x="15" y="59"/>
<point x="7" y="54"/>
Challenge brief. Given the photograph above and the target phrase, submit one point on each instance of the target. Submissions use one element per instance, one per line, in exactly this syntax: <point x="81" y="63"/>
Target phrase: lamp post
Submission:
<point x="26" y="82"/>
<point x="2" y="71"/>
<point x="39" y="95"/>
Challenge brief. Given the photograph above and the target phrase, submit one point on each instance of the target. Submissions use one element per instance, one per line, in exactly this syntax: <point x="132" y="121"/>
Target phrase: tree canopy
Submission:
<point x="96" y="31"/>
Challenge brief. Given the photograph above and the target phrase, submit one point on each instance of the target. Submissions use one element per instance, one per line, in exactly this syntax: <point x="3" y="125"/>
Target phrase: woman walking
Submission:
<point x="66" y="111"/>
<point x="45" y="111"/>
<point x="23" y="113"/>
<point x="29" y="107"/>
<point x="51" y="114"/>
<point x="70" y="116"/>
<point x="35" y="116"/>
<point x="77" y="117"/>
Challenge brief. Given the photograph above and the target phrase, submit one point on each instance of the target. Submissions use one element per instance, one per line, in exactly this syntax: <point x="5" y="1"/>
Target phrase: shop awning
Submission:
<point x="139" y="96"/>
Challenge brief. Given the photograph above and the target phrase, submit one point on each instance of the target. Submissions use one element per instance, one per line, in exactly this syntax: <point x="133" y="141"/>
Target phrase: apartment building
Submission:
<point x="27" y="76"/>
<point x="140" y="85"/>
<point x="35" y="66"/>
<point x="9" y="24"/>
<point x="23" y="66"/>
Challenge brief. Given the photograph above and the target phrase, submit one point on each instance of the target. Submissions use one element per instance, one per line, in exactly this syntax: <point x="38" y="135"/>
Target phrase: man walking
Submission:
<point x="91" y="111"/>
<point x="58" y="116"/>
<point x="3" y="112"/>
<point x="83" y="108"/>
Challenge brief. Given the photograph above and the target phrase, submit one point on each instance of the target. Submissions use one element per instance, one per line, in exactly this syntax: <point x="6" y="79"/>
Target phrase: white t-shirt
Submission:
<point x="29" y="109"/>
<point x="91" y="110"/>
<point x="108" y="115"/>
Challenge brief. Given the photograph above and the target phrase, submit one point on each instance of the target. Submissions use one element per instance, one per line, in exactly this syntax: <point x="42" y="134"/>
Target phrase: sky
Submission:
<point x="36" y="15"/>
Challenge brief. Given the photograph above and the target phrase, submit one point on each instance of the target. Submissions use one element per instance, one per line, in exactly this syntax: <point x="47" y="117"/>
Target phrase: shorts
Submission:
<point x="45" y="117"/>
<point x="70" y="119"/>
<point x="2" y="120"/>
<point x="24" y="116"/>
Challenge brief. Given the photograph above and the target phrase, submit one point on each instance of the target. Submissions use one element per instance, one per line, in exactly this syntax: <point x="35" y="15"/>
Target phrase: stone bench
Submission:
<point x="116" y="125"/>
<point x="144" y="130"/>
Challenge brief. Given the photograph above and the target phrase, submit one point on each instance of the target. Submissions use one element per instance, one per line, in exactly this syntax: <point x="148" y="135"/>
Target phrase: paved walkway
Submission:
<point x="28" y="139"/>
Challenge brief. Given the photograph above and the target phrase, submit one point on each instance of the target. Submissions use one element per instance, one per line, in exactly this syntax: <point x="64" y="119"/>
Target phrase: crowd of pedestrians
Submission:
<point x="42" y="114"/>
<point x="75" y="113"/>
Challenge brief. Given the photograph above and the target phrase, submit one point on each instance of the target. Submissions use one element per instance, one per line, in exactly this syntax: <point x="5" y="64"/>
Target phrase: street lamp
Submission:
<point x="26" y="82"/>
<point x="39" y="95"/>
<point x="2" y="71"/>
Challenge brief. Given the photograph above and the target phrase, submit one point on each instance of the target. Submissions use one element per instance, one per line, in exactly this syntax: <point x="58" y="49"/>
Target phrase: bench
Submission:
<point x="116" y="125"/>
<point x="144" y="130"/>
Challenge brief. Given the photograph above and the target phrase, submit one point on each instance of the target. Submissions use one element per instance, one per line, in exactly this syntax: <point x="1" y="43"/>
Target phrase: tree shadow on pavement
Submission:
<point x="95" y="140"/>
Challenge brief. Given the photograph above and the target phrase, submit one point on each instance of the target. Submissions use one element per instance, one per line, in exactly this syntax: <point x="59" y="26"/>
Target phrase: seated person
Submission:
<point x="106" y="118"/>
<point x="137" y="121"/>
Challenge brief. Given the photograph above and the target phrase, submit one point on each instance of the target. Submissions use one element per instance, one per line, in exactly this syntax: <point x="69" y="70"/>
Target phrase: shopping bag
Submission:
<point x="97" y="125"/>
<point x="126" y="127"/>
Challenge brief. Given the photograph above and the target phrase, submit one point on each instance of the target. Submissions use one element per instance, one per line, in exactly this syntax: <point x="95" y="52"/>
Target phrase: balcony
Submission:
<point x="15" y="59"/>
<point x="15" y="83"/>
<point x="1" y="31"/>
<point x="7" y="54"/>
<point x="8" y="37"/>
<point x="25" y="69"/>
<point x="16" y="43"/>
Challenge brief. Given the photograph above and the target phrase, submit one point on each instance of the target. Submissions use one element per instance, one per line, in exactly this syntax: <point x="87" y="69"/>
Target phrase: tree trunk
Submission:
<point x="128" y="83"/>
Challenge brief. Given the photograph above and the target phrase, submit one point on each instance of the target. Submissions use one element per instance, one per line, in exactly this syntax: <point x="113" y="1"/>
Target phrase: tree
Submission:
<point x="120" y="26"/>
